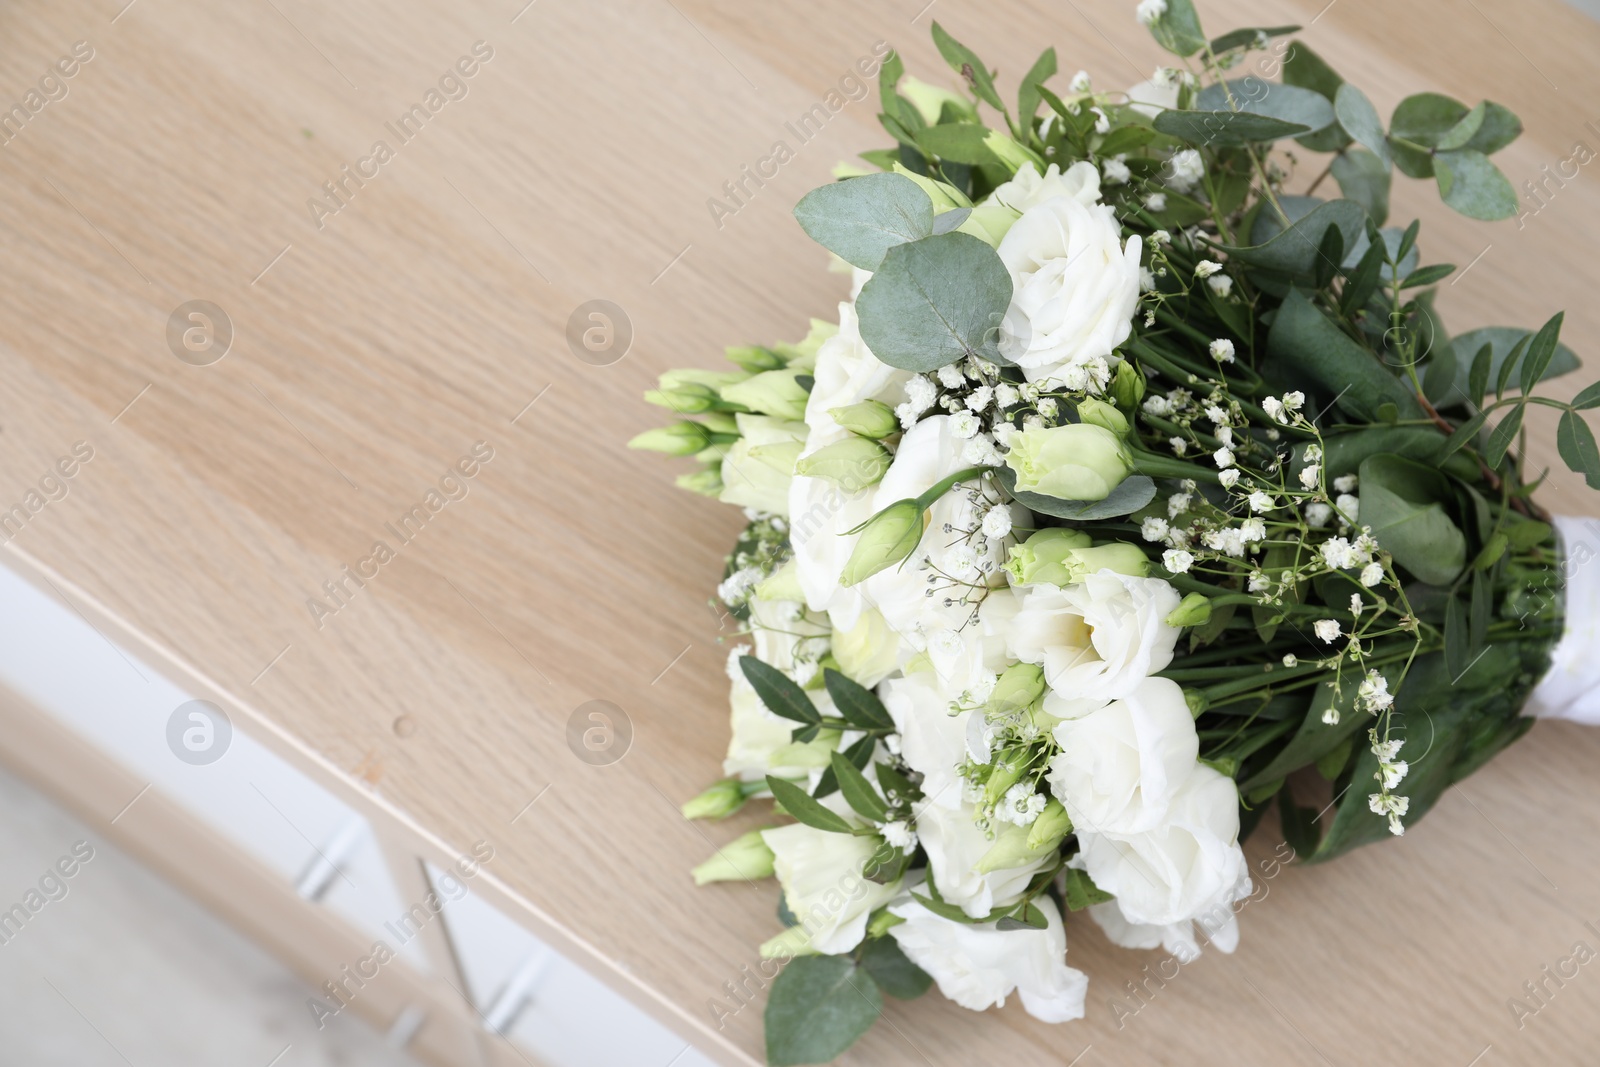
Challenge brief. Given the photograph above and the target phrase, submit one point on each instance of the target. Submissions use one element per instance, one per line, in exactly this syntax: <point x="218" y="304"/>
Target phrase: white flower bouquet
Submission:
<point x="1128" y="484"/>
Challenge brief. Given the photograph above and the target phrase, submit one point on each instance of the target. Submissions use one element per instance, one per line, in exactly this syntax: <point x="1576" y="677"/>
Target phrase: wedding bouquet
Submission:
<point x="1128" y="484"/>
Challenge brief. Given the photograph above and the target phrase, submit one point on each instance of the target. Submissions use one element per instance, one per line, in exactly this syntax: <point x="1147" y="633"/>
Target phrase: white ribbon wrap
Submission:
<point x="1571" y="688"/>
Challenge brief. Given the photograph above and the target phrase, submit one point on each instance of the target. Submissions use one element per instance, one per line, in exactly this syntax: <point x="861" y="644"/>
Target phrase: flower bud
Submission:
<point x="1017" y="689"/>
<point x="1043" y="558"/>
<point x="689" y="399"/>
<point x="803" y="354"/>
<point x="887" y="538"/>
<point x="1003" y="776"/>
<point x="1100" y="413"/>
<point x="1050" y="828"/>
<point x="781" y="584"/>
<point x="1123" y="557"/>
<point x="883" y="920"/>
<point x="779" y="455"/>
<point x="722" y="423"/>
<point x="1194" y="610"/>
<point x="870" y="418"/>
<point x="944" y="197"/>
<point x="753" y="358"/>
<point x="853" y="463"/>
<point x="680" y="439"/>
<point x="775" y="392"/>
<point x="1010" y="849"/>
<point x="1011" y="154"/>
<point x="792" y="942"/>
<point x="711" y="379"/>
<point x="1197" y="702"/>
<point x="989" y="223"/>
<point x="746" y="857"/>
<point x="930" y="100"/>
<point x="707" y="482"/>
<point x="1127" y="386"/>
<point x="1073" y="462"/>
<point x="718" y="801"/>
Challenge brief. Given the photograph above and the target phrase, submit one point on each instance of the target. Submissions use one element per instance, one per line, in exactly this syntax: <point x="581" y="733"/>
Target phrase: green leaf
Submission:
<point x="780" y="693"/>
<point x="1315" y="738"/>
<point x="1457" y="655"/>
<point x="1299" y="824"/>
<point x="1510" y="365"/>
<point x="1080" y="891"/>
<point x="856" y="703"/>
<point x="895" y="974"/>
<point x="966" y="63"/>
<point x="857" y="791"/>
<point x="1311" y="345"/>
<point x="1248" y="37"/>
<point x="1428" y="275"/>
<point x="798" y="802"/>
<point x="1576" y="443"/>
<point x="1464" y="435"/>
<point x="1360" y="119"/>
<point x="818" y="1006"/>
<point x="859" y="754"/>
<point x="1541" y="351"/>
<point x="1478" y="376"/>
<point x="1294" y="250"/>
<point x="1304" y="68"/>
<point x="958" y="142"/>
<point x="1178" y="29"/>
<point x="1287" y="103"/>
<point x="1473" y="186"/>
<point x="1028" y="917"/>
<point x="1588" y="397"/>
<point x="1482" y="603"/>
<point x="859" y="219"/>
<point x="1426" y="118"/>
<point x="1224" y="127"/>
<point x="1500" y="342"/>
<point x="1362" y="177"/>
<point x="1043" y="69"/>
<point x="1401" y="502"/>
<point x="1133" y="493"/>
<point x="934" y="301"/>
<point x="1462" y="132"/>
<point x="889" y="76"/>
<point x="1500" y="127"/>
<point x="1125" y="139"/>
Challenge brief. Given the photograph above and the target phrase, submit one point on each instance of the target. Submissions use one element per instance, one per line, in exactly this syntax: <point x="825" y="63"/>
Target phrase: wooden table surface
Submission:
<point x="373" y="347"/>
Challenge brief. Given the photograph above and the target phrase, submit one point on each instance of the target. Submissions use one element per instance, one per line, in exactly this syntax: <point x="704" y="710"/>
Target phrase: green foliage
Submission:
<point x="816" y="1009"/>
<point x="934" y="301"/>
<point x="860" y="219"/>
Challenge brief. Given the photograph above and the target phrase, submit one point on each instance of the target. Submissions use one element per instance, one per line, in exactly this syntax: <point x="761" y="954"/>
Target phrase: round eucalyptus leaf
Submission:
<point x="934" y="301"/>
<point x="860" y="219"/>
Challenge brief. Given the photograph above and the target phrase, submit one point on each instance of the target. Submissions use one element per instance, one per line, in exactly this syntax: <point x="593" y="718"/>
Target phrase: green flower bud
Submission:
<point x="707" y="482"/>
<point x="944" y="197"/>
<point x="792" y="942"/>
<point x="689" y="399"/>
<point x="1044" y="557"/>
<point x="870" y="418"/>
<point x="722" y="423"/>
<point x="1127" y="386"/>
<point x="1017" y="689"/>
<point x="781" y="584"/>
<point x="1003" y="776"/>
<point x="1194" y="610"/>
<point x="780" y="455"/>
<point x="803" y="355"/>
<point x="846" y="169"/>
<point x="753" y="358"/>
<point x="930" y="100"/>
<point x="1010" y="153"/>
<point x="1050" y="828"/>
<point x="711" y="379"/>
<point x="775" y="392"/>
<point x="744" y="858"/>
<point x="887" y="538"/>
<point x="1010" y="849"/>
<point x="1120" y="556"/>
<point x="1099" y="413"/>
<point x="1073" y="462"/>
<point x="853" y="463"/>
<point x="679" y="439"/>
<point x="883" y="920"/>
<point x="989" y="223"/>
<point x="718" y="801"/>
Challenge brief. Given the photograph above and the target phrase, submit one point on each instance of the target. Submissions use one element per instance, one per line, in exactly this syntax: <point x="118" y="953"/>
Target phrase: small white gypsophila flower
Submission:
<point x="1159" y="238"/>
<point x="949" y="403"/>
<point x="1005" y="394"/>
<point x="980" y="451"/>
<point x="1164" y="78"/>
<point x="906" y="414"/>
<point x="735" y="654"/>
<point x="1029" y="391"/>
<point x="960" y="562"/>
<point x="1294" y="400"/>
<point x="980" y="398"/>
<point x="1156" y="201"/>
<point x="1149" y="318"/>
<point x="1154" y="528"/>
<point x="963" y="424"/>
<point x="1222" y="350"/>
<point x="1259" y="582"/>
<point x="1115" y="171"/>
<point x="1253" y="530"/>
<point x="1274" y="407"/>
<point x="1220" y="284"/>
<point x="1327" y="630"/>
<point x="1178" y="537"/>
<point x="1229" y="541"/>
<point x="1021" y="805"/>
<point x="1157" y="405"/>
<point x="1079" y="82"/>
<point x="1047" y="406"/>
<point x="1177" y="504"/>
<point x="920" y="394"/>
<point x="1102" y="122"/>
<point x="1392" y="806"/>
<point x="997" y="521"/>
<point x="1330" y="715"/>
<point x="1147" y="281"/>
<point x="1224" y="457"/>
<point x="1272" y="434"/>
<point x="1229" y="478"/>
<point x="1216" y="414"/>
<point x="1149" y="11"/>
<point x="950" y="376"/>
<point x="1338" y="553"/>
<point x="1387" y="750"/>
<point x="899" y="835"/>
<point x="1262" y="501"/>
<point x="1187" y="168"/>
<point x="1356" y="604"/>
<point x="1392" y="774"/>
<point x="1206" y="268"/>
<point x="1290" y="660"/>
<point x="1318" y="514"/>
<point x="1371" y="574"/>
<point x="1002" y="433"/>
<point x="1345" y="483"/>
<point x="1309" y="474"/>
<point x="1032" y="422"/>
<point x="1374" y="690"/>
<point x="1225" y="435"/>
<point x="1179" y="446"/>
<point x="1177" y="560"/>
<point x="1349" y="506"/>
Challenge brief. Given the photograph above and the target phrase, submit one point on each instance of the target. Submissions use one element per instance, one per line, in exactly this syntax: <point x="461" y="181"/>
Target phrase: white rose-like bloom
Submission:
<point x="1080" y="182"/>
<point x="1120" y="766"/>
<point x="1150" y="98"/>
<point x="1074" y="286"/>
<point x="823" y="885"/>
<point x="1218" y="928"/>
<point x="932" y="741"/>
<point x="1096" y="640"/>
<point x="847" y="373"/>
<point x="868" y="651"/>
<point x="819" y="514"/>
<point x="979" y="966"/>
<point x="955" y="844"/>
<point x="786" y="636"/>
<point x="1180" y="870"/>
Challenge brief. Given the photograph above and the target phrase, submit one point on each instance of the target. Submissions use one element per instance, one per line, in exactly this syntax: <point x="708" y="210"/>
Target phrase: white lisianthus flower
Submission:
<point x="1182" y="869"/>
<point x="1217" y="927"/>
<point x="1075" y="286"/>
<point x="1150" y="98"/>
<point x="761" y="743"/>
<point x="847" y="373"/>
<point x="955" y="844"/>
<point x="1099" y="639"/>
<point x="1027" y="190"/>
<point x="751" y="481"/>
<point x="823" y="885"/>
<point x="869" y="651"/>
<point x="979" y="966"/>
<point x="820" y="511"/>
<point x="1120" y="766"/>
<point x="932" y="741"/>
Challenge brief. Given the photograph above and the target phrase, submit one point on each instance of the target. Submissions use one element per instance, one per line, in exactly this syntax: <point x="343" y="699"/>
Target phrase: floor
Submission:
<point x="117" y="968"/>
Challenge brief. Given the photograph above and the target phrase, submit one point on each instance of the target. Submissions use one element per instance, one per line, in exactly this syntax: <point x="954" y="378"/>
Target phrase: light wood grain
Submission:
<point x="428" y="313"/>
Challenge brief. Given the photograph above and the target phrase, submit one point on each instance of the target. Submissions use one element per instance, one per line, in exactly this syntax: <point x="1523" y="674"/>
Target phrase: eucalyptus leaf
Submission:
<point x="1310" y="344"/>
<point x="1177" y="29"/>
<point x="1225" y="127"/>
<point x="1133" y="493"/>
<point x="1360" y="119"/>
<point x="1465" y="130"/>
<point x="934" y="301"/>
<point x="817" y="1007"/>
<point x="1473" y="186"/>
<point x="1500" y="127"/>
<point x="1364" y="178"/>
<point x="1426" y="118"/>
<point x="1256" y="96"/>
<point x="1402" y="502"/>
<point x="860" y="219"/>
<point x="895" y="974"/>
<point x="950" y="220"/>
<point x="1294" y="250"/>
<point x="1306" y="69"/>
